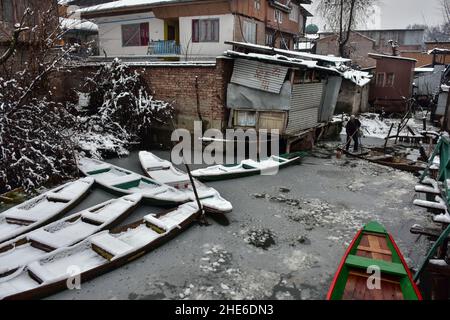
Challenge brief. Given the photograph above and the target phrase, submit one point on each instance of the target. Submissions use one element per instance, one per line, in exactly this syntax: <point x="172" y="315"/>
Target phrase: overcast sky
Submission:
<point x="400" y="13"/>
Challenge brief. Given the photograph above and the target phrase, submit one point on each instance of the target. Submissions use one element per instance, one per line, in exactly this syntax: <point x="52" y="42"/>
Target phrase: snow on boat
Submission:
<point x="64" y="232"/>
<point x="96" y="255"/>
<point x="373" y="249"/>
<point x="247" y="168"/>
<point x="42" y="209"/>
<point x="121" y="181"/>
<point x="165" y="172"/>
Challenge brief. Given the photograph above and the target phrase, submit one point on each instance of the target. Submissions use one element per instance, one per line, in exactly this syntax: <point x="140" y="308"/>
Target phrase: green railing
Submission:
<point x="443" y="150"/>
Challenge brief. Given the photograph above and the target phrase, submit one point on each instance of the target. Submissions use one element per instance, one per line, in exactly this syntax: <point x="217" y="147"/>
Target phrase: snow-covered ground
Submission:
<point x="374" y="129"/>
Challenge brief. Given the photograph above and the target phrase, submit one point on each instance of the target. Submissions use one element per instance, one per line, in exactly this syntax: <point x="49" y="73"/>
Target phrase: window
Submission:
<point x="135" y="35"/>
<point x="246" y="118"/>
<point x="258" y="4"/>
<point x="205" y="30"/>
<point x="249" y="31"/>
<point x="278" y="16"/>
<point x="269" y="39"/>
<point x="380" y="79"/>
<point x="7" y="13"/>
<point x="295" y="13"/>
<point x="390" y="79"/>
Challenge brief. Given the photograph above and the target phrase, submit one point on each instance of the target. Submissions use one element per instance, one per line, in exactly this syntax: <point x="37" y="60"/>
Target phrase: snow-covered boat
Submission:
<point x="42" y="209"/>
<point x="96" y="255"/>
<point x="247" y="168"/>
<point x="121" y="181"/>
<point x="165" y="172"/>
<point x="64" y="232"/>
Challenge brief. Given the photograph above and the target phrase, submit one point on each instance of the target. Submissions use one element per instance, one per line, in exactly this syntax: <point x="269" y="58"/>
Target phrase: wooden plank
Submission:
<point x="374" y="243"/>
<point x="349" y="288"/>
<point x="433" y="233"/>
<point x="375" y="250"/>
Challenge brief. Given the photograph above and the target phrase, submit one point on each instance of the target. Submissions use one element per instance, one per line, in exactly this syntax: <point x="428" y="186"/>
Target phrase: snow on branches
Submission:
<point x="121" y="112"/>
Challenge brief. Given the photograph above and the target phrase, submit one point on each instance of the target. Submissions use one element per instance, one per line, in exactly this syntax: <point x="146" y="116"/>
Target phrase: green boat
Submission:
<point x="248" y="167"/>
<point x="373" y="250"/>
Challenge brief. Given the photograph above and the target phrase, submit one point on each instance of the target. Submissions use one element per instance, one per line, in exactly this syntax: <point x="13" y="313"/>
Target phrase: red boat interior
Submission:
<point x="372" y="246"/>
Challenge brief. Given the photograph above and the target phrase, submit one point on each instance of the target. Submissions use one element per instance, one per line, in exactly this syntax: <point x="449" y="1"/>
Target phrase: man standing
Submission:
<point x="352" y="130"/>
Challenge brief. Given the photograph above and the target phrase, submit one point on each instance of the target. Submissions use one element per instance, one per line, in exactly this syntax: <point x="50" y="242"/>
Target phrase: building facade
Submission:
<point x="363" y="42"/>
<point x="196" y="29"/>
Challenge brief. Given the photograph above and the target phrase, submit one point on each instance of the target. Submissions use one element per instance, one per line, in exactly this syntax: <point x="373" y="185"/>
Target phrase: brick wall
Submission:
<point x="171" y="83"/>
<point x="178" y="85"/>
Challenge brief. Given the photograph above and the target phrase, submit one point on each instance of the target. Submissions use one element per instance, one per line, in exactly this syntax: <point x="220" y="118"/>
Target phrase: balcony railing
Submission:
<point x="164" y="47"/>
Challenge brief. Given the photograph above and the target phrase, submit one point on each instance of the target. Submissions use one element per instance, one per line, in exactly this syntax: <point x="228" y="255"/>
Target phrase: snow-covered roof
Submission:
<point x="439" y="51"/>
<point x="359" y="78"/>
<point x="382" y="56"/>
<point x="75" y="24"/>
<point x="423" y="69"/>
<point x="122" y="4"/>
<point x="302" y="55"/>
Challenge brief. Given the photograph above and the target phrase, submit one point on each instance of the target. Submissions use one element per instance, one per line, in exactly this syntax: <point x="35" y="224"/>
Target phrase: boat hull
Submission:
<point x="250" y="172"/>
<point x="61" y="285"/>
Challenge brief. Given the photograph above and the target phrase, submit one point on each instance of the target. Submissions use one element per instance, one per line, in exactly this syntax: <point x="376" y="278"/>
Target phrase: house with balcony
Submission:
<point x="193" y="29"/>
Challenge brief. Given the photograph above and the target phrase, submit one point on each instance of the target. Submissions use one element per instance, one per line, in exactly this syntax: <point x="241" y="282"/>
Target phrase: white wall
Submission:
<point x="208" y="49"/>
<point x="110" y="33"/>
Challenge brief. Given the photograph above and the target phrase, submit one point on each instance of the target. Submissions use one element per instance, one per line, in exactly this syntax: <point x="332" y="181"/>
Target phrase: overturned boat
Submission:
<point x="42" y="209"/>
<point x="121" y="181"/>
<point x="96" y="255"/>
<point x="373" y="250"/>
<point x="165" y="172"/>
<point x="248" y="167"/>
<point x="64" y="232"/>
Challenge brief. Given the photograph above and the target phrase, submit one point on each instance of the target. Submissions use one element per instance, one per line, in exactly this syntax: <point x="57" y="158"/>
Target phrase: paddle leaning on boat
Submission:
<point x="42" y="209"/>
<point x="97" y="254"/>
<point x="248" y="167"/>
<point x="165" y="172"/>
<point x="68" y="231"/>
<point x="373" y="268"/>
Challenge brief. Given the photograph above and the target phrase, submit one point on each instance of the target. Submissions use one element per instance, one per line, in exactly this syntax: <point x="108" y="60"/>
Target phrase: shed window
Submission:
<point x="135" y="35"/>
<point x="390" y="79"/>
<point x="249" y="31"/>
<point x="380" y="79"/>
<point x="246" y="118"/>
<point x="205" y="30"/>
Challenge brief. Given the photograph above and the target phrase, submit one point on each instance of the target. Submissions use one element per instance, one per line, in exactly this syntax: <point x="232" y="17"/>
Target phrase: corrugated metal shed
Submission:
<point x="331" y="95"/>
<point x="429" y="83"/>
<point x="306" y="100"/>
<point x="258" y="75"/>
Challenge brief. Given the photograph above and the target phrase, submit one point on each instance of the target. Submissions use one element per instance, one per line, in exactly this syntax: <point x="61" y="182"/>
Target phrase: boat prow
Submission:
<point x="373" y="268"/>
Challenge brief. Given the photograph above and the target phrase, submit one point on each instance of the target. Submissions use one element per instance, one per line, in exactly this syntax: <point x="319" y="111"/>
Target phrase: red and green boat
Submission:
<point x="373" y="248"/>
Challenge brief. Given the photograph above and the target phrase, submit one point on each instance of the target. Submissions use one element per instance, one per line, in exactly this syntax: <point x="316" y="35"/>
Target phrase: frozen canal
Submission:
<point x="283" y="240"/>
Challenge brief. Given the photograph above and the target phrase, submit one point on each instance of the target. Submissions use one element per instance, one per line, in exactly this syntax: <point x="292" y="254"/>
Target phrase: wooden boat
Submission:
<point x="121" y="182"/>
<point x="247" y="168"/>
<point x="379" y="157"/>
<point x="96" y="255"/>
<point x="373" y="247"/>
<point x="64" y="232"/>
<point x="42" y="209"/>
<point x="165" y="172"/>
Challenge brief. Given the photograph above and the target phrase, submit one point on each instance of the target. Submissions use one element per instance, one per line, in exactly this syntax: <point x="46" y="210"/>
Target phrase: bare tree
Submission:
<point x="343" y="16"/>
<point x="445" y="7"/>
